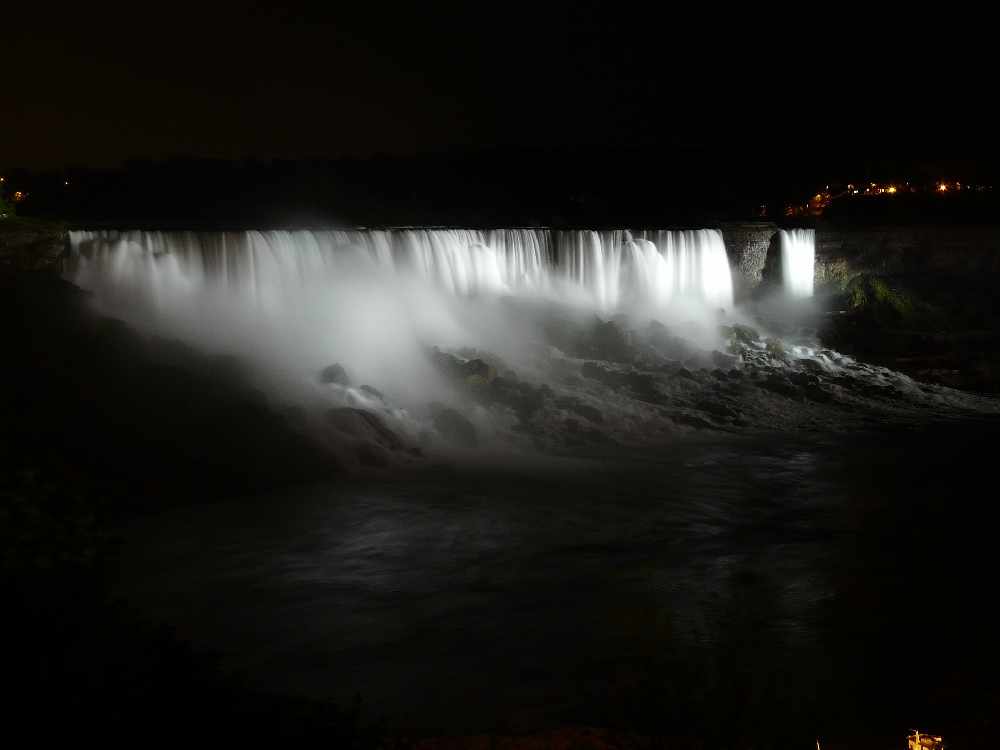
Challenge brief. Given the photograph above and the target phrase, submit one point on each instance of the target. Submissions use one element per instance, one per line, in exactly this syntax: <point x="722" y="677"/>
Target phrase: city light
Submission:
<point x="818" y="202"/>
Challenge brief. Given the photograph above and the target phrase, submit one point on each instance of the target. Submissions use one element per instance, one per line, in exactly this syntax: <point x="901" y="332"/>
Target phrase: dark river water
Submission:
<point x="834" y="587"/>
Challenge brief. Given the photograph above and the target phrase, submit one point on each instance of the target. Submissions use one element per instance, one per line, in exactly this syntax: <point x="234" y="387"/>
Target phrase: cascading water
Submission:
<point x="398" y="311"/>
<point x="609" y="269"/>
<point x="293" y="302"/>
<point x="798" y="260"/>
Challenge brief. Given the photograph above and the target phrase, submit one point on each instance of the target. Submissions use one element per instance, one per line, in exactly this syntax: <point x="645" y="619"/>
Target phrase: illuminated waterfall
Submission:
<point x="798" y="259"/>
<point x="611" y="270"/>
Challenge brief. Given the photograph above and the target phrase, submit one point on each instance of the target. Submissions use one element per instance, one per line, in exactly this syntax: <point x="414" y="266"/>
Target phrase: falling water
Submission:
<point x="798" y="258"/>
<point x="375" y="300"/>
<point x="609" y="269"/>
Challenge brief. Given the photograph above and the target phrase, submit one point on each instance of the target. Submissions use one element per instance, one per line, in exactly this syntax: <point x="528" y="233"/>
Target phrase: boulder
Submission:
<point x="739" y="336"/>
<point x="521" y="396"/>
<point x="777" y="384"/>
<point x="692" y="420"/>
<point x="812" y="365"/>
<point x="334" y="373"/>
<point x="452" y="426"/>
<point x="685" y="374"/>
<point x="575" y="405"/>
<point x="609" y="341"/>
<point x="478" y="372"/>
<point x="594" y="371"/>
<point x="372" y="393"/>
<point x="723" y="360"/>
<point x="717" y="409"/>
<point x="364" y="426"/>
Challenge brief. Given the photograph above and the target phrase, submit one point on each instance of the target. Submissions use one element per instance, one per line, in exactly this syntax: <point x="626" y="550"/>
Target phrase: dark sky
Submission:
<point x="105" y="82"/>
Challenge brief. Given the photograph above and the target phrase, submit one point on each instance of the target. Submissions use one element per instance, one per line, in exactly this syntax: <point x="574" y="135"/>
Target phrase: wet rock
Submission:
<point x="692" y="420"/>
<point x="575" y="405"/>
<point x="685" y="374"/>
<point x="524" y="398"/>
<point x="364" y="426"/>
<point x="594" y="371"/>
<point x="452" y="426"/>
<point x="609" y="341"/>
<point x="372" y="393"/>
<point x="446" y="364"/>
<point x="643" y="385"/>
<point x="777" y="384"/>
<point x="721" y="359"/>
<point x="812" y="365"/>
<point x="478" y="372"/>
<point x="814" y="392"/>
<point x="739" y="335"/>
<point x="334" y="373"/>
<point x="717" y="408"/>
<point x="802" y="378"/>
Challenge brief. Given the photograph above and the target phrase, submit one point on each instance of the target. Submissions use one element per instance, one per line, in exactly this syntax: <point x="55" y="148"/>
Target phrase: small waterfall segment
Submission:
<point x="798" y="261"/>
<point x="609" y="270"/>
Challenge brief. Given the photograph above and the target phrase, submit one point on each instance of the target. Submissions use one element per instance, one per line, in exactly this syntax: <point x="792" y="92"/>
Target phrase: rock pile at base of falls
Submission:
<point x="648" y="386"/>
<point x="452" y="426"/>
<point x="336" y="374"/>
<point x="373" y="442"/>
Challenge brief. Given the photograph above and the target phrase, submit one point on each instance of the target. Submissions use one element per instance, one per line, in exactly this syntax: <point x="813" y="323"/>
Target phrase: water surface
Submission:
<point x="836" y="586"/>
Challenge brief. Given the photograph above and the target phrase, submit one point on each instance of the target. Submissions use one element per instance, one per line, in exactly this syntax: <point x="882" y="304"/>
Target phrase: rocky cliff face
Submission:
<point x="918" y="298"/>
<point x="31" y="245"/>
<point x="959" y="250"/>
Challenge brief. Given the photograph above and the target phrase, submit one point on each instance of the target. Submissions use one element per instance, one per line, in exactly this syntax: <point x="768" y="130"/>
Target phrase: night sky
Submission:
<point x="100" y="83"/>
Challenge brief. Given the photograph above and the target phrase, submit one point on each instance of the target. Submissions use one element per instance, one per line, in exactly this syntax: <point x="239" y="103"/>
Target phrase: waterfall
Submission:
<point x="798" y="259"/>
<point x="290" y="303"/>
<point x="611" y="270"/>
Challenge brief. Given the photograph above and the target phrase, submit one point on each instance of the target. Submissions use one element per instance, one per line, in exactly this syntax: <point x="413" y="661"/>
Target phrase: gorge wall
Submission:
<point x="894" y="250"/>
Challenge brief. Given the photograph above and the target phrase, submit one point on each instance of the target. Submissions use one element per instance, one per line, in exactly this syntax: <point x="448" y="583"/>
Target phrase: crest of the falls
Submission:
<point x="610" y="270"/>
<point x="798" y="260"/>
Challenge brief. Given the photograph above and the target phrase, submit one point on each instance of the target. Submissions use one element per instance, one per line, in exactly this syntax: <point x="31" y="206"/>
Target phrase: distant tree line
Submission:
<point x="580" y="187"/>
